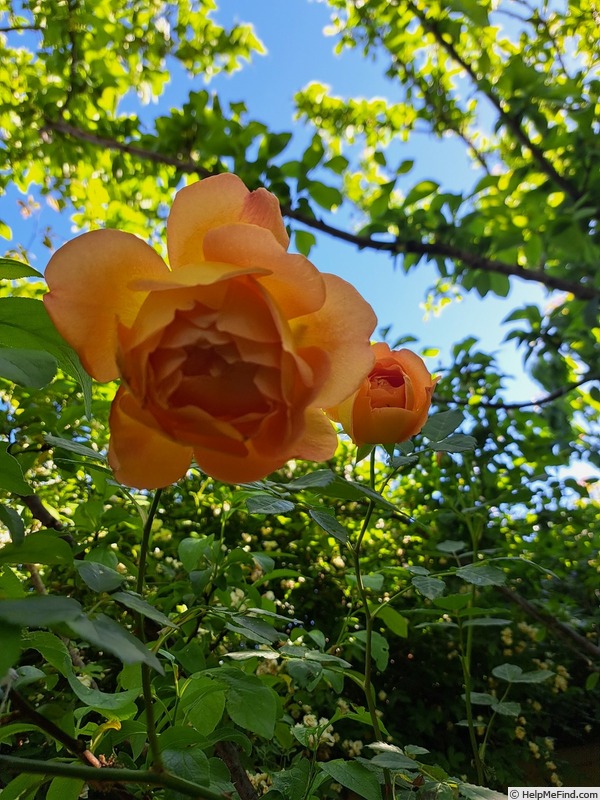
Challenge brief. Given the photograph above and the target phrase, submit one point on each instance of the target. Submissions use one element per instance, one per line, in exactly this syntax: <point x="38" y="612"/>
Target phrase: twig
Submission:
<point x="560" y="392"/>
<point x="40" y="512"/>
<point x="577" y="641"/>
<point x="110" y="775"/>
<point x="75" y="746"/>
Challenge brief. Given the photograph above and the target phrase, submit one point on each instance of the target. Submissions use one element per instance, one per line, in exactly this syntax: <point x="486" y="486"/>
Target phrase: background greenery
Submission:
<point x="272" y="628"/>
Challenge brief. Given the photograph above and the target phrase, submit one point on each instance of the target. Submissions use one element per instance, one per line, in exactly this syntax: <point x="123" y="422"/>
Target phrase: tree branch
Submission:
<point x="576" y="640"/>
<point x="511" y="122"/>
<point x="395" y="247"/>
<point x="560" y="392"/>
<point x="446" y="250"/>
<point x="187" y="166"/>
<point x="109" y="775"/>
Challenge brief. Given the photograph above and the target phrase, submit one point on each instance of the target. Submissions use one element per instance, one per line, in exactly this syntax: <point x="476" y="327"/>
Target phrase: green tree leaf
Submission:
<point x="353" y="776"/>
<point x="34" y="368"/>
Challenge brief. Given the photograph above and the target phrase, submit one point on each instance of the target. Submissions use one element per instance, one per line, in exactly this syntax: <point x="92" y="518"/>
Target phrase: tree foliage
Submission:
<point x="223" y="632"/>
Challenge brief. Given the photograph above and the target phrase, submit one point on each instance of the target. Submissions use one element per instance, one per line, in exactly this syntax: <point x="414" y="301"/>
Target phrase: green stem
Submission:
<point x="146" y="541"/>
<point x="369" y="620"/>
<point x="157" y="764"/>
<point x="489" y="726"/>
<point x="109" y="775"/>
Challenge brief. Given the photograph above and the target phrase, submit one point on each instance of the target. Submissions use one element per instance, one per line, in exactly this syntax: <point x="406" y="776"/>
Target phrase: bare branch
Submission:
<point x="446" y="250"/>
<point x="560" y="392"/>
<point x="395" y="247"/>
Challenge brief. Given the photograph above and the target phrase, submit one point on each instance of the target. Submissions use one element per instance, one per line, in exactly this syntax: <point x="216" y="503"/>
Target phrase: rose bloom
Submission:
<point x="392" y="402"/>
<point x="228" y="356"/>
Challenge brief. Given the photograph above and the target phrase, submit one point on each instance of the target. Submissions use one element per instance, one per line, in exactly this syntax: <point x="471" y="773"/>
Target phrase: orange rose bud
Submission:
<point x="227" y="356"/>
<point x="392" y="402"/>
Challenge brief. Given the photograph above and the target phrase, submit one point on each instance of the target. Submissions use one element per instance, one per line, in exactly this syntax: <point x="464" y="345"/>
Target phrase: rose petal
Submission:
<point x="210" y="203"/>
<point x="89" y="280"/>
<point x="319" y="441"/>
<point x="139" y="454"/>
<point x="296" y="285"/>
<point x="341" y="328"/>
<point x="383" y="425"/>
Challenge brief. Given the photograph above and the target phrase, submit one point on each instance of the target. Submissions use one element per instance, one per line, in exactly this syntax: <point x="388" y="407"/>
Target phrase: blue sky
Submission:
<point x="297" y="53"/>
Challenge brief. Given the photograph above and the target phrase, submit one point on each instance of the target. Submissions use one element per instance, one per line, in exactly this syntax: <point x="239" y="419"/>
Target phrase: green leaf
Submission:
<point x="482" y="698"/>
<point x="23" y="787"/>
<point x="459" y="443"/>
<point x="353" y="776"/>
<point x="514" y="674"/>
<point x="394" y="761"/>
<point x="134" y="602"/>
<point x="50" y="647"/>
<point x="106" y="634"/>
<point x="65" y="788"/>
<point x="267" y="504"/>
<point x="74" y="447"/>
<point x="451" y="546"/>
<point x="11" y="647"/>
<point x="250" y="704"/>
<point x="34" y="368"/>
<point x="11" y="476"/>
<point x="24" y="323"/>
<point x="429" y="587"/>
<point x="304" y="242"/>
<point x="188" y="762"/>
<point x="592" y="681"/>
<point x="98" y="577"/>
<point x="394" y="621"/>
<point x="481" y="575"/>
<point x="453" y="602"/>
<point x="119" y="704"/>
<point x="41" y="611"/>
<point x="508" y="708"/>
<point x="13" y="523"/>
<point x="327" y="521"/>
<point x="472" y="792"/>
<point x="486" y="622"/>
<point x="441" y="425"/>
<point x="41" y="547"/>
<point x="380" y="648"/>
<point x="203" y="702"/>
<point x="420" y="191"/>
<point x="11" y="270"/>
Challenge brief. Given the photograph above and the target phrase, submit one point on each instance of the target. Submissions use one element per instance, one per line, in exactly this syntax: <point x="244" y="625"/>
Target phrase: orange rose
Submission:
<point x="229" y="356"/>
<point x="393" y="401"/>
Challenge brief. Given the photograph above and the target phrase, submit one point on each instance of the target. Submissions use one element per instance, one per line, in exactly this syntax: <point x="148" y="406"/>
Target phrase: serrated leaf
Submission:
<point x="441" y="425"/>
<point x="394" y="761"/>
<point x="327" y="521"/>
<point x="267" y="504"/>
<point x="429" y="587"/>
<point x="508" y="708"/>
<point x="472" y="792"/>
<point x="481" y="575"/>
<point x="458" y="443"/>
